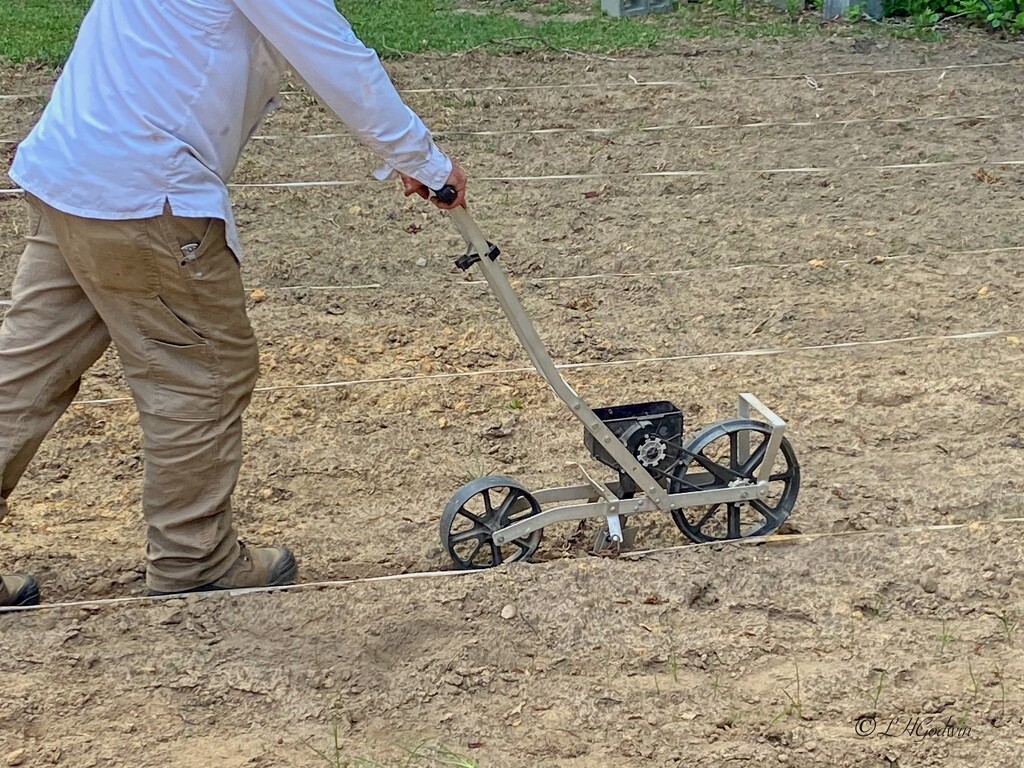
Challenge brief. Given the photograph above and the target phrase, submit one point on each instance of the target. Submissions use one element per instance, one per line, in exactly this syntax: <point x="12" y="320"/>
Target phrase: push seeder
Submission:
<point x="737" y="478"/>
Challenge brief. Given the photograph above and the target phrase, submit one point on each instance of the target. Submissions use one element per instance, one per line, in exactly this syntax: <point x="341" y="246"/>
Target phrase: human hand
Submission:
<point x="456" y="179"/>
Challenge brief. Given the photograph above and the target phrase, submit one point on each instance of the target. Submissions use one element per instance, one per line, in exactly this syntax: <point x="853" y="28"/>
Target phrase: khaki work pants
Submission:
<point x="178" y="322"/>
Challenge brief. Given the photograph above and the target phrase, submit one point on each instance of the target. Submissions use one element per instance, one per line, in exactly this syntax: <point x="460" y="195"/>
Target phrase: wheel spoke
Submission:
<point x="734" y="450"/>
<point x="733" y="516"/>
<point x="495" y="553"/>
<point x="523" y="544"/>
<point x="470" y="516"/>
<point x="755" y="459"/>
<point x="724" y="474"/>
<point x="506" y="505"/>
<point x="707" y="516"/>
<point x="473" y="533"/>
<point x="787" y="475"/>
<point x="486" y="493"/>
<point x="766" y="512"/>
<point x="476" y="550"/>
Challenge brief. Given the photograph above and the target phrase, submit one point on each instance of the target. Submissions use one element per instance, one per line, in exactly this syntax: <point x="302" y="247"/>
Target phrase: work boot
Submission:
<point x="17" y="589"/>
<point x="255" y="567"/>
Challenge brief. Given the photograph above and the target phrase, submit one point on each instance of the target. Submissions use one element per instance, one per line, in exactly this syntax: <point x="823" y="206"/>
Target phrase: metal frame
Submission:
<point x="600" y="498"/>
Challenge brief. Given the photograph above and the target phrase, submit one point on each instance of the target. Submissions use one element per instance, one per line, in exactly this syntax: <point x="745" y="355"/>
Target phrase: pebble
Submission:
<point x="172" y="616"/>
<point x="102" y="584"/>
<point x="421" y="262"/>
<point x="452" y="679"/>
<point x="509" y="612"/>
<point x="17" y="757"/>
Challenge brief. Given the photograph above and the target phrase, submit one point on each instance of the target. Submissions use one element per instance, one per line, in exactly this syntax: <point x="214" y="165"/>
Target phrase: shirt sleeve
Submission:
<point x="348" y="77"/>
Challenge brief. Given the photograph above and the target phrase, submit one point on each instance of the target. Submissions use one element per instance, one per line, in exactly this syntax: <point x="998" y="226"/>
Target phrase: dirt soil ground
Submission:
<point x="864" y="646"/>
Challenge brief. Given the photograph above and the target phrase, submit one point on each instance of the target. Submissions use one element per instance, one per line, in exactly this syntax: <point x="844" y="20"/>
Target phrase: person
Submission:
<point x="131" y="240"/>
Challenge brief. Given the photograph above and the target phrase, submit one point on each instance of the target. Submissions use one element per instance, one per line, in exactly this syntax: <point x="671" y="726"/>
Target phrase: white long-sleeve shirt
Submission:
<point x="159" y="97"/>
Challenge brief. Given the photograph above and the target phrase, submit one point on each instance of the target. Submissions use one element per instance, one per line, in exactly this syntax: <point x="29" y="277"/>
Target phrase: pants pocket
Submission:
<point x="183" y="380"/>
<point x="118" y="257"/>
<point x="182" y="372"/>
<point x="200" y="242"/>
<point x="163" y="324"/>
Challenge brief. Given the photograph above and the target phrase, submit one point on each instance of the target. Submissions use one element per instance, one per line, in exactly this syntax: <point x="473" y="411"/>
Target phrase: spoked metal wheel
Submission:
<point x="729" y="454"/>
<point x="476" y="511"/>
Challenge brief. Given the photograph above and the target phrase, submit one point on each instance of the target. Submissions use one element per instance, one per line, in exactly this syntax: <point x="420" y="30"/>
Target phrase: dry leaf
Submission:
<point x="984" y="176"/>
<point x="817" y="262"/>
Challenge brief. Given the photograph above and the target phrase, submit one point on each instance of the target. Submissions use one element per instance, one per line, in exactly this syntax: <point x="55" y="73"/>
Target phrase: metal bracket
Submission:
<point x="746" y="402"/>
<point x="471" y="257"/>
<point x="605" y="540"/>
<point x="614" y="533"/>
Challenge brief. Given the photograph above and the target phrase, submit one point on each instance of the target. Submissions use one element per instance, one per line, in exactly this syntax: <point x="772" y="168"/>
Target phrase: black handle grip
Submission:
<point x="446" y="195"/>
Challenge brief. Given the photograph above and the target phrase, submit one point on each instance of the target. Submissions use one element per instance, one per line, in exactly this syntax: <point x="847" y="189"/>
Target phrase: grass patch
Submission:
<point x="39" y="31"/>
<point x="416" y="26"/>
<point x="42" y="31"/>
